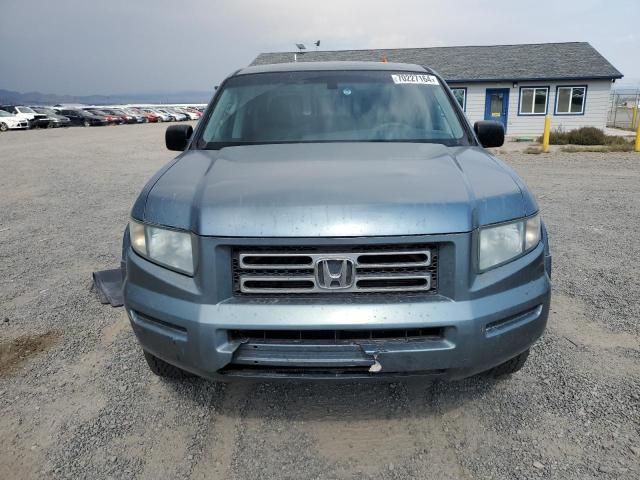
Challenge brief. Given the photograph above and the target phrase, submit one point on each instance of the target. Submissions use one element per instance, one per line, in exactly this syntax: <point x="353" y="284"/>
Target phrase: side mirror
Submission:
<point x="490" y="133"/>
<point x="177" y="136"/>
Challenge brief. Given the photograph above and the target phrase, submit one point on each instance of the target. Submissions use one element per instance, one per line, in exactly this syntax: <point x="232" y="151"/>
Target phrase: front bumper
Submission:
<point x="40" y="122"/>
<point x="22" y="125"/>
<point x="485" y="320"/>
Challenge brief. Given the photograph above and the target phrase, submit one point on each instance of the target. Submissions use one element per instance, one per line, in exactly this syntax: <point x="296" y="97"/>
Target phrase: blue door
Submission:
<point x="496" y="105"/>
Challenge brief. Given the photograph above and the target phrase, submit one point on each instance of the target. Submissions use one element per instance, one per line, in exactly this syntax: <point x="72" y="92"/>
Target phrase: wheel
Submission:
<point x="86" y="123"/>
<point x="3" y="127"/>
<point x="164" y="369"/>
<point x="510" y="366"/>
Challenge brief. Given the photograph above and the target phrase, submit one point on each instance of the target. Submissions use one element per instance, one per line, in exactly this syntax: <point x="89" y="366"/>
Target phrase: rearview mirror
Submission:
<point x="177" y="137"/>
<point x="490" y="133"/>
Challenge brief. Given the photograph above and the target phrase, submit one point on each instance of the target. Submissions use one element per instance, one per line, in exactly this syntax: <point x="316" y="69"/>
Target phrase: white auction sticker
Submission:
<point x="414" y="78"/>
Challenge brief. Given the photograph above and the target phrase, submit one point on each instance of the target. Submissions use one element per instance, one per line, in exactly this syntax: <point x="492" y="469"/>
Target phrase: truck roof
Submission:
<point x="302" y="66"/>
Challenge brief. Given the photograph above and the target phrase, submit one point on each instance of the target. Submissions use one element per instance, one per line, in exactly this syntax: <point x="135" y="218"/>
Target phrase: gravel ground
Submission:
<point x="77" y="399"/>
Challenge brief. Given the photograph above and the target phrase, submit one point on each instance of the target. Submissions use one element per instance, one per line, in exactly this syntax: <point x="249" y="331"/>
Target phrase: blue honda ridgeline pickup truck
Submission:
<point x="335" y="221"/>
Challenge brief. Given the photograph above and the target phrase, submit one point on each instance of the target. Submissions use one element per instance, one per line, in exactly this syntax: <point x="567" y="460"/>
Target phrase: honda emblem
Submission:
<point x="334" y="273"/>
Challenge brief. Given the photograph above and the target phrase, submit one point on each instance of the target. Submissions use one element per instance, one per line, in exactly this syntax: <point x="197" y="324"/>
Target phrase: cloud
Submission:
<point x="119" y="46"/>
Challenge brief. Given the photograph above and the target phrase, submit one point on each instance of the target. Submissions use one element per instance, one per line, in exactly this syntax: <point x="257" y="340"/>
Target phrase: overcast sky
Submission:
<point x="83" y="47"/>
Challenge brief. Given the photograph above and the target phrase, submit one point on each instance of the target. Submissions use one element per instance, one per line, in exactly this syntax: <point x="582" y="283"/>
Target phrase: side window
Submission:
<point x="533" y="100"/>
<point x="461" y="96"/>
<point x="571" y="100"/>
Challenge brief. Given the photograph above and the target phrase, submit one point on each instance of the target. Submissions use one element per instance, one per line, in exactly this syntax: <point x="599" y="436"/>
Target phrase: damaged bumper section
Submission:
<point x="465" y="345"/>
<point x="473" y="322"/>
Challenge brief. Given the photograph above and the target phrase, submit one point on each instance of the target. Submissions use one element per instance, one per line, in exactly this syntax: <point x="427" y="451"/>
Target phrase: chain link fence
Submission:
<point x="623" y="109"/>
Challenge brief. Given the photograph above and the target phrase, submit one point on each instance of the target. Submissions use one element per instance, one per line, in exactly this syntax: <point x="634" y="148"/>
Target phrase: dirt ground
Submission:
<point x="78" y="401"/>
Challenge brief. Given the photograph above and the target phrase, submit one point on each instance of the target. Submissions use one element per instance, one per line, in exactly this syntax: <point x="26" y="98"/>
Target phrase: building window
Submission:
<point x="570" y="100"/>
<point x="461" y="96"/>
<point x="533" y="100"/>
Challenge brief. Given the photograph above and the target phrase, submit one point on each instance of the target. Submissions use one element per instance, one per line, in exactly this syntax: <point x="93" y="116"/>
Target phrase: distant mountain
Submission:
<point x="37" y="98"/>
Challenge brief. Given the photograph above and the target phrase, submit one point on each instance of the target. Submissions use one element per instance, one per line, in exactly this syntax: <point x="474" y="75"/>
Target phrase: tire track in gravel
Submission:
<point x="219" y="445"/>
<point x="438" y="457"/>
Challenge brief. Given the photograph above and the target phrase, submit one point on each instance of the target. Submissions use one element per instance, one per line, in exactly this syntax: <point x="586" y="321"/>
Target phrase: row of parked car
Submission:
<point x="14" y="117"/>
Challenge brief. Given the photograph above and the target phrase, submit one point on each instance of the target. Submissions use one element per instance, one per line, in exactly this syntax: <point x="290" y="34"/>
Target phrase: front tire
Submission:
<point x="164" y="369"/>
<point x="510" y="366"/>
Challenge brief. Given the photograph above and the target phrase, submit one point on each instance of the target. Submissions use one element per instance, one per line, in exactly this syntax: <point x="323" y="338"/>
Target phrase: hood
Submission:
<point x="334" y="190"/>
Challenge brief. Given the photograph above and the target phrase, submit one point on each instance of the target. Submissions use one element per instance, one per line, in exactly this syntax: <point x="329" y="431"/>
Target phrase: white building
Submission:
<point x="516" y="84"/>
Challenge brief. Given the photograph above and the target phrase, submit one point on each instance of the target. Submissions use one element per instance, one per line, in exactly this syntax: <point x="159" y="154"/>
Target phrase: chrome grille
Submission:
<point x="317" y="270"/>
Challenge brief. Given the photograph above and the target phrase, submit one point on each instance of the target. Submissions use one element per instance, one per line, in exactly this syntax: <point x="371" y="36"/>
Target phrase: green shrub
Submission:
<point x="615" y="140"/>
<point x="585" y="136"/>
<point x="558" y="137"/>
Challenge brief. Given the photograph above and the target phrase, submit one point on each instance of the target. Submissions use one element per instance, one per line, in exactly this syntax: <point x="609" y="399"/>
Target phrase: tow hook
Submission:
<point x="376" y="367"/>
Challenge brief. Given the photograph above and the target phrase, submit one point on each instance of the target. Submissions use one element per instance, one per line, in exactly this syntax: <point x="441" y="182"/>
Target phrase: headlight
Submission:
<point x="505" y="242"/>
<point x="171" y="248"/>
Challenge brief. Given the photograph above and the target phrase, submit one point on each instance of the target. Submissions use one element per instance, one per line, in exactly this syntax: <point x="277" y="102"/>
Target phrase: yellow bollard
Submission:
<point x="634" y="117"/>
<point x="637" y="149"/>
<point x="547" y="132"/>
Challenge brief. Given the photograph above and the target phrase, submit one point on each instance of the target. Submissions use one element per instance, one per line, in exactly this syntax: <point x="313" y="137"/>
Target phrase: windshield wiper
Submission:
<point x="221" y="145"/>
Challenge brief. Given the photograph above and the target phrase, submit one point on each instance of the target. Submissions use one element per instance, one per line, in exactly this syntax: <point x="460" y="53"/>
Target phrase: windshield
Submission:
<point x="335" y="106"/>
<point x="25" y="110"/>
